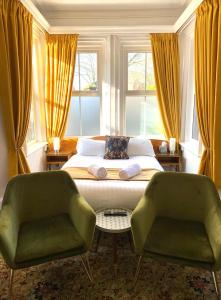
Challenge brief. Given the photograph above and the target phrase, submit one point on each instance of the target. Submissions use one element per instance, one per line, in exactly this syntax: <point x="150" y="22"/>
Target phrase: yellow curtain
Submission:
<point x="61" y="54"/>
<point x="165" y="52"/>
<point x="15" y="79"/>
<point x="208" y="85"/>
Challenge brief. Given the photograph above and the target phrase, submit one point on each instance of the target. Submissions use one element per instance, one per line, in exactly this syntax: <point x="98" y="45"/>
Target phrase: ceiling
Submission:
<point x="86" y="15"/>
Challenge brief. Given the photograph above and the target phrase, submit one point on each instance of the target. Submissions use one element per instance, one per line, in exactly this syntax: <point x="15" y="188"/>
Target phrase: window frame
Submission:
<point x="33" y="106"/>
<point x="37" y="103"/>
<point x="39" y="37"/>
<point x="90" y="93"/>
<point x="194" y="105"/>
<point x="33" y="99"/>
<point x="194" y="146"/>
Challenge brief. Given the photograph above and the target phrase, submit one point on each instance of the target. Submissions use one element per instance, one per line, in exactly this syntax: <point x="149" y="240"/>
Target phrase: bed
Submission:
<point x="111" y="193"/>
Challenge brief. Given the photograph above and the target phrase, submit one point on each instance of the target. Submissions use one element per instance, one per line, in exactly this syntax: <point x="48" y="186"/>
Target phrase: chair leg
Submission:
<point x="138" y="270"/>
<point x="215" y="283"/>
<point x="86" y="266"/>
<point x="10" y="284"/>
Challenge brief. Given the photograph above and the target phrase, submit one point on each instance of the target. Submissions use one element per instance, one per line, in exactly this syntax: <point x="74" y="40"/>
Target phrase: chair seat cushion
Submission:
<point x="47" y="237"/>
<point x="179" y="239"/>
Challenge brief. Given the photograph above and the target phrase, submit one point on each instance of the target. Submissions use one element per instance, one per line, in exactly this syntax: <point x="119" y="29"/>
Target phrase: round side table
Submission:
<point x="114" y="225"/>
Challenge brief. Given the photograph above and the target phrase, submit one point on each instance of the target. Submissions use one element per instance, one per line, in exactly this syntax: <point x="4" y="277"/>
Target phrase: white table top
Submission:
<point x="113" y="224"/>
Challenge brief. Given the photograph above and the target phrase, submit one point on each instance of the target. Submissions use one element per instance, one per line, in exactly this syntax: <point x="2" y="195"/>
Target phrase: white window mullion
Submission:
<point x="79" y="97"/>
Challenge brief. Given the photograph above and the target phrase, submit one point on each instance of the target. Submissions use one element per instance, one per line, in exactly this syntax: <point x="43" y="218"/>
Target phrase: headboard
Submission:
<point x="69" y="144"/>
<point x="155" y="143"/>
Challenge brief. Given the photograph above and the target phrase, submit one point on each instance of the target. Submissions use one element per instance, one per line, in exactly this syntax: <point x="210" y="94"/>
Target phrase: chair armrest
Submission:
<point x="9" y="228"/>
<point x="83" y="218"/>
<point x="141" y="222"/>
<point x="213" y="227"/>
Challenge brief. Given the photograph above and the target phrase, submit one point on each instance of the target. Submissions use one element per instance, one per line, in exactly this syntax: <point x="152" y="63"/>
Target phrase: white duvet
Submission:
<point x="111" y="193"/>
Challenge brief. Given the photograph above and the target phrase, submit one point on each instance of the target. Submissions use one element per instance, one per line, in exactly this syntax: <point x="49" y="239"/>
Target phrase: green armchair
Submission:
<point x="43" y="218"/>
<point x="179" y="220"/>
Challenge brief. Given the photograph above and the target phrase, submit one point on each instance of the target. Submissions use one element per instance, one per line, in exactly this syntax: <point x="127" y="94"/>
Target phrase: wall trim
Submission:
<point x="94" y="30"/>
<point x="186" y="15"/>
<point x="187" y="23"/>
<point x="36" y="14"/>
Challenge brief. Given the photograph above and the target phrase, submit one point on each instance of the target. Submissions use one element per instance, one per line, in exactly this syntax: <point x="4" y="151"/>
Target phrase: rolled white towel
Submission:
<point x="129" y="171"/>
<point x="98" y="171"/>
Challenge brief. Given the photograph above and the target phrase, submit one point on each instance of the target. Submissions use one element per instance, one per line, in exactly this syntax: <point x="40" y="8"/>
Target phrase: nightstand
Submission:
<point x="170" y="160"/>
<point x="57" y="159"/>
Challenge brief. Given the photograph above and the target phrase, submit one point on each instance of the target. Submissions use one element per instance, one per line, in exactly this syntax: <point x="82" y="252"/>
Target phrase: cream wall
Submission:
<point x="37" y="159"/>
<point x="191" y="161"/>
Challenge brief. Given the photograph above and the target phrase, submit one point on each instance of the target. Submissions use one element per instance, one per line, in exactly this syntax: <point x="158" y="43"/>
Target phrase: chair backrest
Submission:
<point x="39" y="195"/>
<point x="182" y="196"/>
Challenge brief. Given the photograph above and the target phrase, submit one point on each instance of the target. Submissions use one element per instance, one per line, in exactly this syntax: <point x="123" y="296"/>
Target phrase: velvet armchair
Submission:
<point x="179" y="220"/>
<point x="43" y="218"/>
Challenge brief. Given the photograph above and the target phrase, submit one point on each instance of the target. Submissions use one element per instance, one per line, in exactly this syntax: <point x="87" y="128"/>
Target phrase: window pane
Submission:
<point x="85" y="78"/>
<point x="84" y="116"/>
<point x="31" y="133"/>
<point x="195" y="128"/>
<point x="150" y="80"/>
<point x="135" y="108"/>
<point x="136" y="71"/>
<point x="90" y="115"/>
<point x="153" y="124"/>
<point x="143" y="117"/>
<point x="73" y="122"/>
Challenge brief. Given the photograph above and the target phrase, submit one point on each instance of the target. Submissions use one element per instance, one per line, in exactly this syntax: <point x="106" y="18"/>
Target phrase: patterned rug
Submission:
<point x="66" y="279"/>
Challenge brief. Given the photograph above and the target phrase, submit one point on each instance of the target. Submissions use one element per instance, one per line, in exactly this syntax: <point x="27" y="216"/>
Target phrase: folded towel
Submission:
<point x="129" y="171"/>
<point x="98" y="171"/>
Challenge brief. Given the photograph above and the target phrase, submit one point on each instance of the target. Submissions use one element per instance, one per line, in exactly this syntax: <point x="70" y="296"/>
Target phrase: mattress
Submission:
<point x="112" y="193"/>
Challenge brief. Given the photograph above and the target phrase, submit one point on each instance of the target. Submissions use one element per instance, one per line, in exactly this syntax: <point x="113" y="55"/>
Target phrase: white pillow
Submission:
<point x="89" y="147"/>
<point x="140" y="147"/>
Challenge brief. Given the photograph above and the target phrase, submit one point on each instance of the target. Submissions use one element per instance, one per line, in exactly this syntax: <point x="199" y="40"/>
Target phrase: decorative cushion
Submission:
<point x="139" y="146"/>
<point x="89" y="147"/>
<point x="47" y="237"/>
<point x="179" y="239"/>
<point x="116" y="147"/>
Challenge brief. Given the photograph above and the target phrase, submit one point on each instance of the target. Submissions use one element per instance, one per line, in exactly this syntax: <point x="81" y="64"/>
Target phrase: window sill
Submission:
<point x="35" y="147"/>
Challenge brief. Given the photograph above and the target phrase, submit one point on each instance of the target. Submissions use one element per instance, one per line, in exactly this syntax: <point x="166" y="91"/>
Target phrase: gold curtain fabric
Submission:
<point x="165" y="52"/>
<point x="38" y="86"/>
<point x="61" y="54"/>
<point x="208" y="85"/>
<point x="15" y="79"/>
